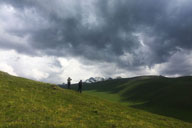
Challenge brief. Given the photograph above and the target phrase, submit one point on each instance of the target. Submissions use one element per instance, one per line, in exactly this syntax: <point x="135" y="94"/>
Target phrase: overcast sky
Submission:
<point x="49" y="40"/>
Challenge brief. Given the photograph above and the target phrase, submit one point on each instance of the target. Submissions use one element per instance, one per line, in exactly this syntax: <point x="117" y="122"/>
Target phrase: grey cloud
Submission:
<point x="179" y="64"/>
<point x="109" y="30"/>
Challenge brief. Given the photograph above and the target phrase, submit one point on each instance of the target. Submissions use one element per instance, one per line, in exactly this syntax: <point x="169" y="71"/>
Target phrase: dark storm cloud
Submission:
<point x="111" y="30"/>
<point x="180" y="64"/>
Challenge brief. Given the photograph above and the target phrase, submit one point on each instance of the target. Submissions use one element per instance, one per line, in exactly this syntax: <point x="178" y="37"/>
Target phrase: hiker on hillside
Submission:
<point x="80" y="86"/>
<point x="69" y="82"/>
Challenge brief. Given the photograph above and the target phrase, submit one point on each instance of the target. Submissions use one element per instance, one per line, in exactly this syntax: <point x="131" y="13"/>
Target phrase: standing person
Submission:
<point x="80" y="86"/>
<point x="69" y="82"/>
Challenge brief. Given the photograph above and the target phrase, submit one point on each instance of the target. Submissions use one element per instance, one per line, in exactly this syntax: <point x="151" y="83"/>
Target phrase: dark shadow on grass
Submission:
<point x="183" y="114"/>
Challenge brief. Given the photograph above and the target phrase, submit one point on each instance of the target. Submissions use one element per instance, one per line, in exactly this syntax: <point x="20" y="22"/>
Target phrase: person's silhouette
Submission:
<point x="80" y="86"/>
<point x="69" y="82"/>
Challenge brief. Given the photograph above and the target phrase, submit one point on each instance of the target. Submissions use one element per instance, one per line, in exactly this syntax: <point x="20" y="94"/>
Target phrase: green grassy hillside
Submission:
<point x="165" y="96"/>
<point x="29" y="104"/>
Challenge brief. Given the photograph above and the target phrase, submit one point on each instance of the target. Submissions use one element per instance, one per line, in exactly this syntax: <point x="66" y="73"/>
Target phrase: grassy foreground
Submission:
<point x="30" y="104"/>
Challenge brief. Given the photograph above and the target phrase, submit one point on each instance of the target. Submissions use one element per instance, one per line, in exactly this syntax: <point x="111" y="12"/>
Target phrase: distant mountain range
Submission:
<point x="92" y="80"/>
<point x="98" y="79"/>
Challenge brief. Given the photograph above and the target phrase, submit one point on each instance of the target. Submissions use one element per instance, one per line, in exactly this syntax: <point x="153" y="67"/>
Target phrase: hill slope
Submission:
<point x="26" y="103"/>
<point x="161" y="95"/>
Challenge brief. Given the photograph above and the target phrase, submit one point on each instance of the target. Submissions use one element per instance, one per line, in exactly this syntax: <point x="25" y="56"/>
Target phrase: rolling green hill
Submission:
<point x="29" y="104"/>
<point x="165" y="96"/>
